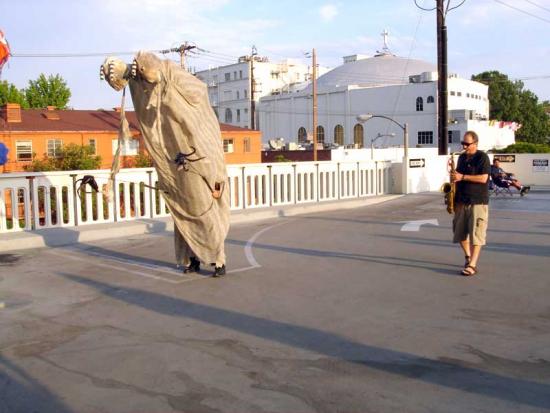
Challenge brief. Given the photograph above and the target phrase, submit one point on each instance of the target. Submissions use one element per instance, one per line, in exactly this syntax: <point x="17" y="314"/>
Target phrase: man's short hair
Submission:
<point x="474" y="136"/>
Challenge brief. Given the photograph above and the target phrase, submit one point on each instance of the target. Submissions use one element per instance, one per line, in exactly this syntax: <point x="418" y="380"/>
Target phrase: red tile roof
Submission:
<point x="36" y="120"/>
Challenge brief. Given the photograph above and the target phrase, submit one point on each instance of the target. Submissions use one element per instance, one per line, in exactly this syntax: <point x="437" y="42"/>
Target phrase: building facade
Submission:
<point x="404" y="90"/>
<point x="38" y="133"/>
<point x="230" y="87"/>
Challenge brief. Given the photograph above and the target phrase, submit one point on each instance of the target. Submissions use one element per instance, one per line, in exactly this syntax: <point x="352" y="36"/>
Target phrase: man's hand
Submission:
<point x="456" y="176"/>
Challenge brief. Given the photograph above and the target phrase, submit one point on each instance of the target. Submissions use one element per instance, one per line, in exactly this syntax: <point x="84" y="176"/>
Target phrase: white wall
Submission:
<point x="524" y="170"/>
<point x="282" y="116"/>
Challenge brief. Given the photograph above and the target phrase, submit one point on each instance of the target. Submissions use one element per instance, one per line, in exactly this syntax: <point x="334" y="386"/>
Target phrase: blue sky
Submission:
<point x="483" y="35"/>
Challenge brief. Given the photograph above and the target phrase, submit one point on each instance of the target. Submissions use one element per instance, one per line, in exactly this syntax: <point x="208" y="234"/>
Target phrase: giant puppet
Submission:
<point x="182" y="135"/>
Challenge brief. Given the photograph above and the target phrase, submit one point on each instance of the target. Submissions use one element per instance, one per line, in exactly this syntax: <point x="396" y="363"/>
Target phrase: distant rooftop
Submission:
<point x="44" y="120"/>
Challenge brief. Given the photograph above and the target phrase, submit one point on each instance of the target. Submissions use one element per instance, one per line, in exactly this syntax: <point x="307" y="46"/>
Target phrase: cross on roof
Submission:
<point x="384" y="35"/>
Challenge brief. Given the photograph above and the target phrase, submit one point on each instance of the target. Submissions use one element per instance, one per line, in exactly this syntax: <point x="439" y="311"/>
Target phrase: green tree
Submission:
<point x="509" y="101"/>
<point x="72" y="157"/>
<point x="10" y="94"/>
<point x="50" y="91"/>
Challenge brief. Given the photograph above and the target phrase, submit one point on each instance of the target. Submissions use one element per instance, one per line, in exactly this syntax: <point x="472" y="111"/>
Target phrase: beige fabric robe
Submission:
<point x="175" y="116"/>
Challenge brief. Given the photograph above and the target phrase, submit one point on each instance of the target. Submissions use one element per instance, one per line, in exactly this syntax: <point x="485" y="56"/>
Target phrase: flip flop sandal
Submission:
<point x="469" y="271"/>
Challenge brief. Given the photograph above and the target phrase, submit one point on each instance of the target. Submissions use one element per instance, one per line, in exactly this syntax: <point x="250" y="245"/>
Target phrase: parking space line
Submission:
<point x="114" y="267"/>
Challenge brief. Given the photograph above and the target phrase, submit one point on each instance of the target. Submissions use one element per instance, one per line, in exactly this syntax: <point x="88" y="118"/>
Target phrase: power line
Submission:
<point x="538" y="5"/>
<point x="56" y="55"/>
<point x="522" y="11"/>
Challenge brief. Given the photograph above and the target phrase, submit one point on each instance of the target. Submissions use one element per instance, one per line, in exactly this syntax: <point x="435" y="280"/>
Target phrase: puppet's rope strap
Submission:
<point x="123" y="136"/>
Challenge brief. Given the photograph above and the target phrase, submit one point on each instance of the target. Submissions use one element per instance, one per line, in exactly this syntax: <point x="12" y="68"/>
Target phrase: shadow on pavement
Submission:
<point x="455" y="375"/>
<point x="507" y="248"/>
<point x="20" y="393"/>
<point x="379" y="259"/>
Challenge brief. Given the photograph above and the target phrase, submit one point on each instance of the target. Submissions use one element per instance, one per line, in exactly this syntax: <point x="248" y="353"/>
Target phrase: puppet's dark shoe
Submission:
<point x="469" y="271"/>
<point x="219" y="271"/>
<point x="195" y="266"/>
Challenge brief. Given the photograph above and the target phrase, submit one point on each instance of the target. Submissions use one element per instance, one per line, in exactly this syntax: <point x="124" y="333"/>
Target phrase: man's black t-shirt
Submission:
<point x="470" y="192"/>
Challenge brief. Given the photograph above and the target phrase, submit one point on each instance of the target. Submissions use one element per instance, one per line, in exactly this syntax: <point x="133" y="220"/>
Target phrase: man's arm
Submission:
<point x="478" y="179"/>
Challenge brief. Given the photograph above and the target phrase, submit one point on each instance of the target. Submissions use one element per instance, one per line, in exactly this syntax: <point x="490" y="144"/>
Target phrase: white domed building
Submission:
<point x="404" y="90"/>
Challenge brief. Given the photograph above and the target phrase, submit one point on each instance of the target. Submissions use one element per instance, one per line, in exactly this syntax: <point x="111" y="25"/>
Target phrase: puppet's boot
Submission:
<point x="195" y="266"/>
<point x="219" y="271"/>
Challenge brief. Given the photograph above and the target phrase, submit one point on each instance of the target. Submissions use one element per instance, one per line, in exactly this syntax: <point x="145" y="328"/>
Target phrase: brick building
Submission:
<point x="29" y="133"/>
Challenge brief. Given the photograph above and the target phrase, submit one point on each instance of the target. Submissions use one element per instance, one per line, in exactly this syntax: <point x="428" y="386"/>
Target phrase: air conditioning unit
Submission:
<point x="428" y="76"/>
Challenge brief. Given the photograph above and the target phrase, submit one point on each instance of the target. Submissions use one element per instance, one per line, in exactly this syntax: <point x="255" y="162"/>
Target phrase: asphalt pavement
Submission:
<point x="357" y="310"/>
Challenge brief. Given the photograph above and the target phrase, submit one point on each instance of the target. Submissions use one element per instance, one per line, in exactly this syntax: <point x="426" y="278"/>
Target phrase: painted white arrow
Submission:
<point x="415" y="225"/>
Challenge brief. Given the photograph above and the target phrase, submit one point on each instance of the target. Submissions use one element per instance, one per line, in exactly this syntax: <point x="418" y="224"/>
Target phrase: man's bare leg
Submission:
<point x="476" y="250"/>
<point x="466" y="248"/>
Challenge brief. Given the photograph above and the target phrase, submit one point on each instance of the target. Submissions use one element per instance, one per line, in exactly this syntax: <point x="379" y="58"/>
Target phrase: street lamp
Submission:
<point x="380" y="135"/>
<point x="404" y="127"/>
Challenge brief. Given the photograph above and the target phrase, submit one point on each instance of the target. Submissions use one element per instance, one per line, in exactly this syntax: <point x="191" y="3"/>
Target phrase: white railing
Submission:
<point x="30" y="201"/>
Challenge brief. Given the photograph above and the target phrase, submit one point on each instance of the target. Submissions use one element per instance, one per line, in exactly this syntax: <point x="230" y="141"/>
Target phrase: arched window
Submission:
<point x="228" y="116"/>
<point x="320" y="134"/>
<point x="419" y="104"/>
<point x="302" y="135"/>
<point x="339" y="135"/>
<point x="430" y="99"/>
<point x="358" y="135"/>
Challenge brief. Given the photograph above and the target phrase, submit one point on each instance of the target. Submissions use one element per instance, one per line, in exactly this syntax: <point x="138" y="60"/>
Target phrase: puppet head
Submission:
<point x="115" y="71"/>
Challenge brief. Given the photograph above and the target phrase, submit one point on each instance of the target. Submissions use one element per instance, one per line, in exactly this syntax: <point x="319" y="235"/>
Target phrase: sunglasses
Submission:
<point x="466" y="144"/>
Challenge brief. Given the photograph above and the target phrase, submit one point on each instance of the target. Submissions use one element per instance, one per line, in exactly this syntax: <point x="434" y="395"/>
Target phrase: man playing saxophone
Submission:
<point x="471" y="201"/>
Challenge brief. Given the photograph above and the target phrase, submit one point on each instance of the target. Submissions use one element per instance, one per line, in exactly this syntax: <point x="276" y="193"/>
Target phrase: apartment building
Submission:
<point x="235" y="89"/>
<point x="37" y="133"/>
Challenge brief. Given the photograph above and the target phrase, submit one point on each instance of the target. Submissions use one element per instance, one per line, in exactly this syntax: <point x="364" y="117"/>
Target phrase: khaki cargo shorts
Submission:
<point x="471" y="221"/>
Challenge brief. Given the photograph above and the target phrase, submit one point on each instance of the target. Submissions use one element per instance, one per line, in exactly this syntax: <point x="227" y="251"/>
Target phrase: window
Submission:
<point x="453" y="93"/>
<point x="228" y="145"/>
<point x="238" y="95"/>
<point x="320" y="134"/>
<point x="54" y="147"/>
<point x="246" y="145"/>
<point x="459" y="93"/>
<point x="226" y="95"/>
<point x="358" y="135"/>
<point x="467" y="95"/>
<point x="228" y="116"/>
<point x="227" y="77"/>
<point x="131" y="148"/>
<point x="425" y="137"/>
<point x="430" y="99"/>
<point x="246" y="111"/>
<point x="339" y="135"/>
<point x="454" y="136"/>
<point x="238" y="115"/>
<point x="93" y="144"/>
<point x="235" y="75"/>
<point x="23" y="150"/>
<point x="302" y="135"/>
<point x="419" y="104"/>
<point x="246" y="94"/>
<point x="240" y="74"/>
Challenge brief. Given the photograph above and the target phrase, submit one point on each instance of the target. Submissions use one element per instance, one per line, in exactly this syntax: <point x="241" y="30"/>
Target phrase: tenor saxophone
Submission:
<point x="449" y="188"/>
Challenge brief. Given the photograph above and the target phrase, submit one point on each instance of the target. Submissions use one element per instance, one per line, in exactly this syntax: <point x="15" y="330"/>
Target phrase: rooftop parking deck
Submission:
<point x="356" y="310"/>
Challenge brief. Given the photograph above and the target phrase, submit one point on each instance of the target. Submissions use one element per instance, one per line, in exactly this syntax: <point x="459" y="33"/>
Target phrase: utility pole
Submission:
<point x="181" y="50"/>
<point x="314" y="90"/>
<point x="442" y="101"/>
<point x="252" y="87"/>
